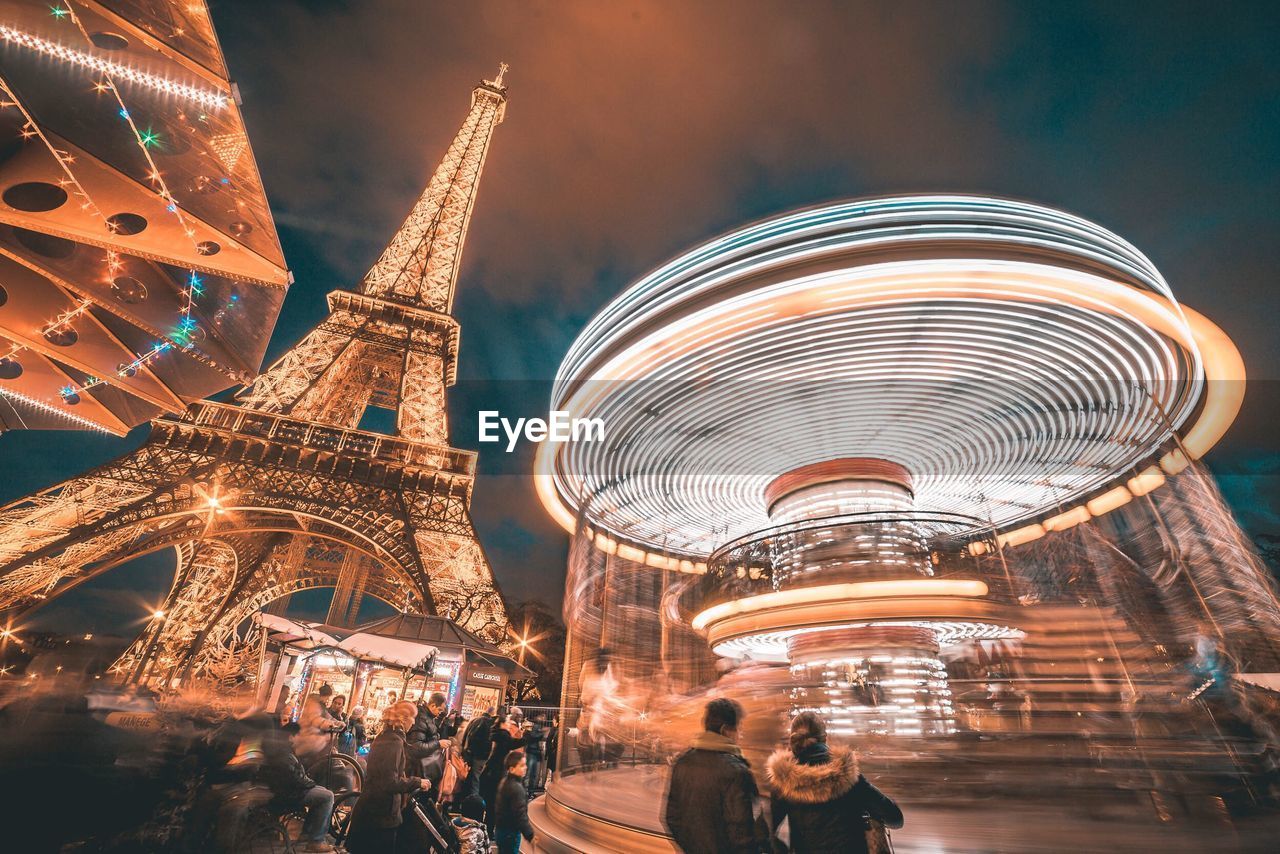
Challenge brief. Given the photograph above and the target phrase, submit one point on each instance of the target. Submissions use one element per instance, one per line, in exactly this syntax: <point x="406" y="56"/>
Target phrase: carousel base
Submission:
<point x="619" y="810"/>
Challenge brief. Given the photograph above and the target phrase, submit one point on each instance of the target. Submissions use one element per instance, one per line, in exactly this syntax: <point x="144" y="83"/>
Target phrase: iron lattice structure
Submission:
<point x="281" y="492"/>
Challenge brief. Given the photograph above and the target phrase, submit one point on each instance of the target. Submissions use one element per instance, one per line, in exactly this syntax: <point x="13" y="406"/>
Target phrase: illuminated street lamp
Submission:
<point x="156" y="627"/>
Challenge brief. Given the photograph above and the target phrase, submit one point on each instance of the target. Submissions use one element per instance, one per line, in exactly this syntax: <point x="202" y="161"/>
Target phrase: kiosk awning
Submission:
<point x="402" y="653"/>
<point x="294" y="632"/>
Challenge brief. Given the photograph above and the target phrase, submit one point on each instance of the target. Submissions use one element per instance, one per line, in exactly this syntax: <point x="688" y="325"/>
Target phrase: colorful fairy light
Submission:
<point x="186" y="327"/>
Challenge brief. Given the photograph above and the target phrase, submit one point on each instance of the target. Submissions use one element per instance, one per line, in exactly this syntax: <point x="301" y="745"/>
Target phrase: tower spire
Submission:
<point x="420" y="264"/>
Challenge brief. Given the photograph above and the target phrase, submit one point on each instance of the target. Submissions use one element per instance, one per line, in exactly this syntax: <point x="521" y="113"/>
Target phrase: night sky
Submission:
<point x="636" y="130"/>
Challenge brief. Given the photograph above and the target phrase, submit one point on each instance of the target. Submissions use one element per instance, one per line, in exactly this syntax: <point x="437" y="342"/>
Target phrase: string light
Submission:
<point x="63" y="321"/>
<point x="187" y="326"/>
<point x="46" y="409"/>
<point x="32" y="129"/>
<point x="204" y="97"/>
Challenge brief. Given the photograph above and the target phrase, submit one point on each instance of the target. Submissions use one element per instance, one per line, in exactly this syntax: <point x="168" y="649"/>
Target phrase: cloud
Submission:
<point x="637" y="129"/>
<point x="633" y="128"/>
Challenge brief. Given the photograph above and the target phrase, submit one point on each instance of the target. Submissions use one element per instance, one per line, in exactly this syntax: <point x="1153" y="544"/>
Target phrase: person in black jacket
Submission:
<point x="378" y="814"/>
<point x="511" y="812"/>
<point x="820" y="793"/>
<point x="477" y="743"/>
<point x="504" y="738"/>
<point x="451" y="727"/>
<point x="291" y="786"/>
<point x="423" y="742"/>
<point x="711" y="801"/>
<point x="535" y="747"/>
<point x="351" y="738"/>
<point x="553" y="744"/>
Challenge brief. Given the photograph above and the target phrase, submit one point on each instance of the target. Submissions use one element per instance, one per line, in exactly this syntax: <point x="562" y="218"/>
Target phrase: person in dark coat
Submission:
<point x="711" y="800"/>
<point x="378" y="814"/>
<point x="553" y="744"/>
<point x="424" y="743"/>
<point x="535" y="748"/>
<point x="477" y="743"/>
<point x="505" y="738"/>
<point x="292" y="787"/>
<point x="451" y="727"/>
<point x="511" y="812"/>
<point x="820" y="793"/>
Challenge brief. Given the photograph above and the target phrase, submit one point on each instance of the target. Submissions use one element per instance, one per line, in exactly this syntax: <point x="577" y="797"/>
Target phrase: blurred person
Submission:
<point x="230" y="757"/>
<point x="511" y="810"/>
<point x="353" y="736"/>
<point x="535" y="747"/>
<point x="292" y="787"/>
<point x="710" y="805"/>
<point x="379" y="812"/>
<point x="477" y="744"/>
<point x="506" y="736"/>
<point x="821" y="795"/>
<point x="316" y="726"/>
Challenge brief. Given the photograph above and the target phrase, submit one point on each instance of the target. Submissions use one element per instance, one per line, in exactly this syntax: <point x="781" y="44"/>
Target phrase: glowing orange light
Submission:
<point x="906" y="587"/>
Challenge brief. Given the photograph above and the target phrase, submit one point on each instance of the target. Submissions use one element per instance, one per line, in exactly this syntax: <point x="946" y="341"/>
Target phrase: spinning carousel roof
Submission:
<point x="1014" y="359"/>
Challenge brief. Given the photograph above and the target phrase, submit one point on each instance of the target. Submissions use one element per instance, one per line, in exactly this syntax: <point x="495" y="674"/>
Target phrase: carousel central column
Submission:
<point x="880" y="678"/>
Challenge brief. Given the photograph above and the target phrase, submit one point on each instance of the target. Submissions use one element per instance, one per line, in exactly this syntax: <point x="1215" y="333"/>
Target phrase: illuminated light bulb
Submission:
<point x="204" y="97"/>
<point x="46" y="409"/>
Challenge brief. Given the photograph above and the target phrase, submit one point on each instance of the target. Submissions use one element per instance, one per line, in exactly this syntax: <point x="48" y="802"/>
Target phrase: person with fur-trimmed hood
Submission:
<point x="821" y="792"/>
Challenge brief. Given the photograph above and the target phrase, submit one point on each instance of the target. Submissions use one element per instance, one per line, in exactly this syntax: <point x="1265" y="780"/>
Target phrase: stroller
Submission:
<point x="472" y="836"/>
<point x="440" y="836"/>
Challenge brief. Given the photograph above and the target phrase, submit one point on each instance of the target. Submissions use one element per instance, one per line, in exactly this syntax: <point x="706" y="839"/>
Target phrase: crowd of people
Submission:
<point x="431" y="780"/>
<point x="183" y="779"/>
<point x="426" y="764"/>
<point x="819" y="802"/>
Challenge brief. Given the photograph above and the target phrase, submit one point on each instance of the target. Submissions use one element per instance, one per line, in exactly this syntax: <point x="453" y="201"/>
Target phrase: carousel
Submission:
<point x="374" y="665"/>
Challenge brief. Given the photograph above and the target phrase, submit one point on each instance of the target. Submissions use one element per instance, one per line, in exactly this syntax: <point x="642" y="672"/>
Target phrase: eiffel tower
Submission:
<point x="280" y="491"/>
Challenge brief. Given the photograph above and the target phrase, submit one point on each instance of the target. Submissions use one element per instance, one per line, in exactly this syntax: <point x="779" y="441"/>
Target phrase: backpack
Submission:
<point x="455" y="771"/>
<point x="470" y="740"/>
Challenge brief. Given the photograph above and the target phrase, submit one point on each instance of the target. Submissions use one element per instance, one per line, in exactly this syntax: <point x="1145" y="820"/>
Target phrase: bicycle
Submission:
<point x="340" y="819"/>
<point x="338" y="772"/>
